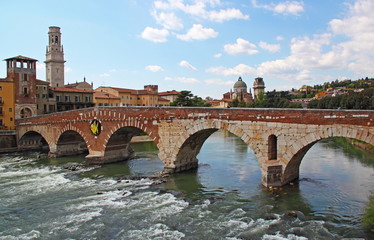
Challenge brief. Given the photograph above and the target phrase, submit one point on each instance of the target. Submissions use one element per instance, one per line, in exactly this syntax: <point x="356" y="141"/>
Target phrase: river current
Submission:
<point x="42" y="198"/>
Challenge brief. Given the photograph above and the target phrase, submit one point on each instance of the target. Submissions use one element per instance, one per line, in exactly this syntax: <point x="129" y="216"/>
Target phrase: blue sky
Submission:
<point x="197" y="45"/>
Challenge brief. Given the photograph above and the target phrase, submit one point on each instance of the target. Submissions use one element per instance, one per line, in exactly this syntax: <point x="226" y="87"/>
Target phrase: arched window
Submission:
<point x="272" y="147"/>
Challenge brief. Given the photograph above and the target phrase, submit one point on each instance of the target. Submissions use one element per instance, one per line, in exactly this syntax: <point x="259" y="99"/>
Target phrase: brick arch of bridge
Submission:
<point x="183" y="154"/>
<point x="117" y="137"/>
<point x="138" y="124"/>
<point x="25" y="135"/>
<point x="72" y="147"/>
<point x="299" y="148"/>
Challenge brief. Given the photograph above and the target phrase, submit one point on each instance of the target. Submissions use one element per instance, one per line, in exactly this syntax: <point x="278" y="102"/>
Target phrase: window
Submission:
<point x="138" y="98"/>
<point x="67" y="98"/>
<point x="87" y="99"/>
<point x="1" y="88"/>
<point x="11" y="119"/>
<point x="77" y="99"/>
<point x="272" y="147"/>
<point x="24" y="77"/>
<point x="37" y="95"/>
<point x="10" y="109"/>
<point x="58" y="98"/>
<point x="100" y="104"/>
<point x="25" y="92"/>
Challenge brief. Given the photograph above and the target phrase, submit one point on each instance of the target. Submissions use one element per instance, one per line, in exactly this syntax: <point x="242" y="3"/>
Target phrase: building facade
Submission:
<point x="6" y="104"/>
<point x="130" y="97"/>
<point x="71" y="98"/>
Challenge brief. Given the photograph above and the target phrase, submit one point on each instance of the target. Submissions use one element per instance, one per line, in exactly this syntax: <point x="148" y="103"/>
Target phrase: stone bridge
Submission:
<point x="279" y="137"/>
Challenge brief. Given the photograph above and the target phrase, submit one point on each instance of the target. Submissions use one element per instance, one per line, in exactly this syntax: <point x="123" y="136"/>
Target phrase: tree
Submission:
<point x="186" y="98"/>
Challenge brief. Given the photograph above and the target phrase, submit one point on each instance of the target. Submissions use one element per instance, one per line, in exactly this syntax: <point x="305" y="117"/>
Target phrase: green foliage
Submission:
<point x="368" y="219"/>
<point x="274" y="99"/>
<point x="186" y="98"/>
<point x="352" y="100"/>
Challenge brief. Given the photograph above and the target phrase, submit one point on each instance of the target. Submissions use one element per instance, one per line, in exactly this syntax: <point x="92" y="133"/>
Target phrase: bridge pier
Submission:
<point x="272" y="175"/>
<point x="113" y="153"/>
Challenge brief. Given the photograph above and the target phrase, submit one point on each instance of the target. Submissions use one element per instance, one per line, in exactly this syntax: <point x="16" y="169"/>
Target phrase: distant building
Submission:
<point x="71" y="98"/>
<point x="106" y="99"/>
<point x="169" y="95"/>
<point x="81" y="85"/>
<point x="130" y="97"/>
<point x="46" y="103"/>
<point x="240" y="92"/>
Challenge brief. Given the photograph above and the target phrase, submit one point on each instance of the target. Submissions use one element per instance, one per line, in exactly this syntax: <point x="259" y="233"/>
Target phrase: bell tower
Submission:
<point x="55" y="62"/>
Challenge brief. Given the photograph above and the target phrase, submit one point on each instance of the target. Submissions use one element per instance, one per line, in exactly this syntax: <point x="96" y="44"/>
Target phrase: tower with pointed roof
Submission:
<point x="55" y="63"/>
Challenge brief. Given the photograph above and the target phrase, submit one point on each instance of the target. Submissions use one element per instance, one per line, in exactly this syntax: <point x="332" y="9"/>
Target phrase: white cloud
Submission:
<point x="241" y="46"/>
<point x="270" y="47"/>
<point x="238" y="70"/>
<point x="154" y="68"/>
<point x="285" y="7"/>
<point x="219" y="82"/>
<point x="199" y="9"/>
<point x="217" y="55"/>
<point x="104" y="75"/>
<point x="155" y="35"/>
<point x="279" y="38"/>
<point x="198" y="32"/>
<point x="186" y="64"/>
<point x="113" y="70"/>
<point x="225" y="15"/>
<point x="168" y="20"/>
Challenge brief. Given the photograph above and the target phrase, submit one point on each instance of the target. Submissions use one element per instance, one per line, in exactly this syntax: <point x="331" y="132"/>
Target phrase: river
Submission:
<point x="223" y="199"/>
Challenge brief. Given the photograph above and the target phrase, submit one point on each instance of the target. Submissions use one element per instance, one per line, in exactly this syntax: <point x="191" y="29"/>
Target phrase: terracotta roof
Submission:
<point x="222" y="100"/>
<point x="163" y="99"/>
<point x="42" y="82"/>
<point x="104" y="95"/>
<point x="19" y="57"/>
<point x="63" y="89"/>
<point x="172" y="92"/>
<point x="132" y="91"/>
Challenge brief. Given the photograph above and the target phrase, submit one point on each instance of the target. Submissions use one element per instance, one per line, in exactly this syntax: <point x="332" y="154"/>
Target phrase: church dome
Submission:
<point x="240" y="84"/>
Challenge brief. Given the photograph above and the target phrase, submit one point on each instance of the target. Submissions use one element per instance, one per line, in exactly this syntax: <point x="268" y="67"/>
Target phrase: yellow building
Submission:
<point x="129" y="97"/>
<point x="106" y="99"/>
<point x="7" y="102"/>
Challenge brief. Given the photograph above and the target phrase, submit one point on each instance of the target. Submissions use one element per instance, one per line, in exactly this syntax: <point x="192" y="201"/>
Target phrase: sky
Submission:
<point x="202" y="46"/>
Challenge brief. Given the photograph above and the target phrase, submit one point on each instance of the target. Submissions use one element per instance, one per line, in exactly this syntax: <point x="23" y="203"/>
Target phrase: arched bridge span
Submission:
<point x="279" y="137"/>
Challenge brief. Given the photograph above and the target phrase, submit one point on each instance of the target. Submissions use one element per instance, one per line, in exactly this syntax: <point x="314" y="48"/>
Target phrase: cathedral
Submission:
<point x="240" y="91"/>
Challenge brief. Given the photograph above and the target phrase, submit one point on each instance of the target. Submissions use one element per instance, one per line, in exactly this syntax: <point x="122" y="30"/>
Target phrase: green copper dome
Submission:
<point x="240" y="84"/>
